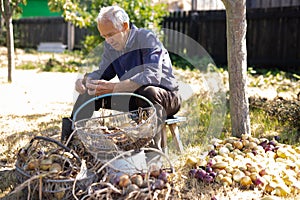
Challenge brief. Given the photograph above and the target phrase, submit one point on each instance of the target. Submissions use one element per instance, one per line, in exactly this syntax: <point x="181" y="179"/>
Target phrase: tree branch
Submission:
<point x="2" y="8"/>
<point x="15" y="7"/>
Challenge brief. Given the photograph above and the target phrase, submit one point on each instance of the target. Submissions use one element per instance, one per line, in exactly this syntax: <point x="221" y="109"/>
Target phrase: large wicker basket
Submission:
<point x="41" y="183"/>
<point x="106" y="136"/>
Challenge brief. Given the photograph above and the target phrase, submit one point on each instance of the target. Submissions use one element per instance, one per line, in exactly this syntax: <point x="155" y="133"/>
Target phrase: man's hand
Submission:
<point x="99" y="87"/>
<point x="79" y="86"/>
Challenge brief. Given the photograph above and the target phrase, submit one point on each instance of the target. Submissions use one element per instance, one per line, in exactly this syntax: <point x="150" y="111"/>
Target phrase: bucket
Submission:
<point x="133" y="164"/>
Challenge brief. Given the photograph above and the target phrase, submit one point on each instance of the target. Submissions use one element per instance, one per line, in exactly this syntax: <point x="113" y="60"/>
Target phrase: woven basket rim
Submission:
<point x="124" y="130"/>
<point x="118" y="114"/>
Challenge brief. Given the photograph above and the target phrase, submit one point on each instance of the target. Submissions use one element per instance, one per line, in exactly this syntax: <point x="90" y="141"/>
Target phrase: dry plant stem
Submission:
<point x="108" y="190"/>
<point x="168" y="192"/>
<point x="96" y="166"/>
<point x="70" y="137"/>
<point x="155" y="196"/>
<point x="24" y="184"/>
<point x="133" y="195"/>
<point x="28" y="196"/>
<point x="73" y="189"/>
<point x="148" y="185"/>
<point x="40" y="188"/>
<point x="113" y="188"/>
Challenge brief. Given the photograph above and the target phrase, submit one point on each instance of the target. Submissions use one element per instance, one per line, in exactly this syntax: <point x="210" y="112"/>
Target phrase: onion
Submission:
<point x="55" y="168"/>
<point x="245" y="181"/>
<point x="223" y="151"/>
<point x="257" y="181"/>
<point x="200" y="174"/>
<point x="154" y="170"/>
<point x="124" y="180"/>
<point x="208" y="179"/>
<point x="208" y="169"/>
<point x="163" y="176"/>
<point x="137" y="179"/>
<point x="192" y="172"/>
<point x="237" y="175"/>
<point x="238" y="145"/>
<point x="158" y="184"/>
<point x="213" y="174"/>
<point x="226" y="180"/>
<point x="220" y="165"/>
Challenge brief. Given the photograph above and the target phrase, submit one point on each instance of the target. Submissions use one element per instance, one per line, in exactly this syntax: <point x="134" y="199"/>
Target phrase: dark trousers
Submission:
<point x="167" y="103"/>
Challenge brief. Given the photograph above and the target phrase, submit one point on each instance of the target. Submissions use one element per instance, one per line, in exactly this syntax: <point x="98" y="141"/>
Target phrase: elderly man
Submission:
<point x="139" y="60"/>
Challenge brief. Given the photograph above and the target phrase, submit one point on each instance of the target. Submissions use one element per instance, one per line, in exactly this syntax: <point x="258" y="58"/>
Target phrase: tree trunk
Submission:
<point x="10" y="49"/>
<point x="237" y="66"/>
<point x="1" y="25"/>
<point x="9" y="40"/>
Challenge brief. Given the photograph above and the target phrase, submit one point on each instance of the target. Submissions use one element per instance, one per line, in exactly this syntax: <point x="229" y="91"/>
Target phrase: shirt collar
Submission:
<point x="132" y="33"/>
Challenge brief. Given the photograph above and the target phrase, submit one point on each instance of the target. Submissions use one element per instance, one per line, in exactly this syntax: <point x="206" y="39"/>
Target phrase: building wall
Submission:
<point x="37" y="8"/>
<point x="210" y="5"/>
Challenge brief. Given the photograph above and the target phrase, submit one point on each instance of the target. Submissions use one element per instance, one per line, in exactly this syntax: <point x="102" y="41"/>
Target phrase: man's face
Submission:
<point x="116" y="38"/>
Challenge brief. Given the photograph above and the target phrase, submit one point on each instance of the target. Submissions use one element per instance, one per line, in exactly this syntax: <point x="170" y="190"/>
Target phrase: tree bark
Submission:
<point x="10" y="49"/>
<point x="7" y="12"/>
<point x="237" y="66"/>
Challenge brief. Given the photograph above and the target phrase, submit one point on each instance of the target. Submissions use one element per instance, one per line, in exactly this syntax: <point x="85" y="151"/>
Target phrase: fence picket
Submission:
<point x="272" y="36"/>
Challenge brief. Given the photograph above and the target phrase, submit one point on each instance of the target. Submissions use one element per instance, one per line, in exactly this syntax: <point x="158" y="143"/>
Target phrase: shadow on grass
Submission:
<point x="15" y="141"/>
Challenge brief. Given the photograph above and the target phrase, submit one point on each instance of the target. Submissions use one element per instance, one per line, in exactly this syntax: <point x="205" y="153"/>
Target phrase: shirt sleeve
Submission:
<point x="105" y="70"/>
<point x="152" y="59"/>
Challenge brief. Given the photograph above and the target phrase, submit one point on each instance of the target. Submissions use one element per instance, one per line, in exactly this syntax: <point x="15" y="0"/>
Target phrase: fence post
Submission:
<point x="193" y="31"/>
<point x="71" y="36"/>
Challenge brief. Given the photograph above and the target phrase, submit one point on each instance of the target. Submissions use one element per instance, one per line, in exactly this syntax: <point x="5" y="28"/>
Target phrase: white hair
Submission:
<point x="114" y="14"/>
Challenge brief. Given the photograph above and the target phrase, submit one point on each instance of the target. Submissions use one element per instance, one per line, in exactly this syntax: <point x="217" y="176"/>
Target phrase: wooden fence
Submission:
<point x="273" y="35"/>
<point x="30" y="32"/>
<point x="272" y="3"/>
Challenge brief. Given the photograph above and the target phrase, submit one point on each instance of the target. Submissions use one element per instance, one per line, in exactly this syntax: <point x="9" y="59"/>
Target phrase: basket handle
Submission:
<point x="58" y="143"/>
<point x="107" y="95"/>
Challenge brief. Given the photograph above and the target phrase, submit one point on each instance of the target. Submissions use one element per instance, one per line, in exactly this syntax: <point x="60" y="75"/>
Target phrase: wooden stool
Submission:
<point x="172" y="123"/>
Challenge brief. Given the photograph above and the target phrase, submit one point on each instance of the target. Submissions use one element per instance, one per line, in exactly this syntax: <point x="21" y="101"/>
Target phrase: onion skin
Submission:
<point x="246" y="181"/>
<point x="55" y="168"/>
<point x="33" y="164"/>
<point x="124" y="180"/>
<point x="137" y="180"/>
<point x="154" y="171"/>
<point x="163" y="176"/>
<point x="220" y="165"/>
<point x="46" y="164"/>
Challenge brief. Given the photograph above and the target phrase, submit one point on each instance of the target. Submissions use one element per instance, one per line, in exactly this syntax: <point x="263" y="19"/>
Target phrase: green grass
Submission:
<point x="29" y="66"/>
<point x="198" y="110"/>
<point x="68" y="62"/>
<point x="265" y="125"/>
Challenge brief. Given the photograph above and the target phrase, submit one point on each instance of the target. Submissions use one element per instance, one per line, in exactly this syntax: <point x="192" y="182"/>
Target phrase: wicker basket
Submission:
<point x="58" y="188"/>
<point x="106" y="136"/>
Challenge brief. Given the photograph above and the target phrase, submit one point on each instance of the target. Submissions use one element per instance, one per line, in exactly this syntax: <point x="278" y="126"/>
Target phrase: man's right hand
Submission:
<point x="79" y="86"/>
